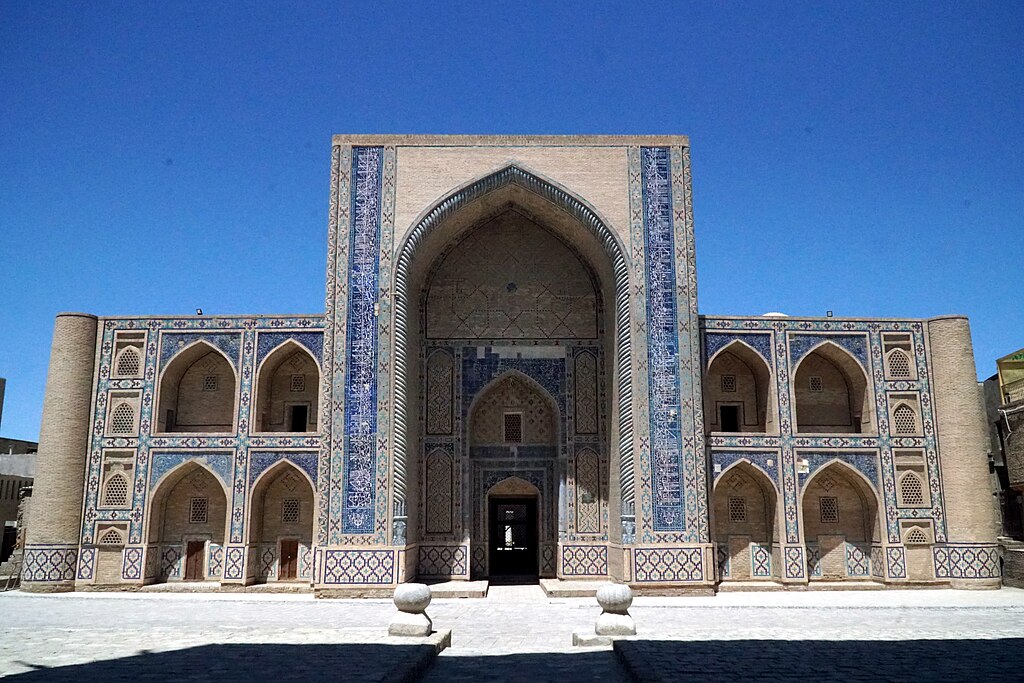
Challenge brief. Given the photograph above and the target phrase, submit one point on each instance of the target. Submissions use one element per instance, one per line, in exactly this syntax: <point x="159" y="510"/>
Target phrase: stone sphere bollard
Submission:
<point x="615" y="599"/>
<point x="411" y="599"/>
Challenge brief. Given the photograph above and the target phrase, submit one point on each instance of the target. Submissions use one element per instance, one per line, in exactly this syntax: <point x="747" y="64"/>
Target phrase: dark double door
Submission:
<point x="513" y="539"/>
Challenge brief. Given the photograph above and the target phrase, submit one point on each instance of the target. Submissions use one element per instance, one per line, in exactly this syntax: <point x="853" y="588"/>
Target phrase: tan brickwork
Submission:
<point x="55" y="516"/>
<point x="963" y="440"/>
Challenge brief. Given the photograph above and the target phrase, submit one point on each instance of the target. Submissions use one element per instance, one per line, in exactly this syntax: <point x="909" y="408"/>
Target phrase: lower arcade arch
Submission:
<point x="746" y="524"/>
<point x="840" y="517"/>
<point x="280" y="529"/>
<point x="188" y="524"/>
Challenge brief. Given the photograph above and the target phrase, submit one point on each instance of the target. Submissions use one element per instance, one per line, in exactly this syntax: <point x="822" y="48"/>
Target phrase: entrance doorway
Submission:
<point x="194" y="561"/>
<point x="513" y="537"/>
<point x="289" y="559"/>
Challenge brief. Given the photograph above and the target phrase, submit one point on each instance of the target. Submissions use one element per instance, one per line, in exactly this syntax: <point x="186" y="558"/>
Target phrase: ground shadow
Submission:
<point x="252" y="662"/>
<point x="564" y="667"/>
<point x="817" y="660"/>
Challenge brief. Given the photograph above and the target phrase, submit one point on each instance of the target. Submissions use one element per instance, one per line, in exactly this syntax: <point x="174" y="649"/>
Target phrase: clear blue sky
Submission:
<point x="156" y="157"/>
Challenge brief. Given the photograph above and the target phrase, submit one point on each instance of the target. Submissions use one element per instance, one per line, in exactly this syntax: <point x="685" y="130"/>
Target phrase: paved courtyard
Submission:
<point x="516" y="633"/>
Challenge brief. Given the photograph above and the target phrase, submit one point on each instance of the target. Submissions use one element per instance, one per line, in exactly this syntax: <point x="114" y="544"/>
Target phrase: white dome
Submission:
<point x="774" y="314"/>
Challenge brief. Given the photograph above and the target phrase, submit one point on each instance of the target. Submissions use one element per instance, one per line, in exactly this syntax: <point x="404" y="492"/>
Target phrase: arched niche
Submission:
<point x="736" y="391"/>
<point x="188" y="518"/>
<point x="746" y="524"/>
<point x="287" y="391"/>
<point x="491" y="210"/>
<point x="831" y="395"/>
<point x="281" y="518"/>
<point x="513" y="410"/>
<point x="198" y="392"/>
<point x="841" y="521"/>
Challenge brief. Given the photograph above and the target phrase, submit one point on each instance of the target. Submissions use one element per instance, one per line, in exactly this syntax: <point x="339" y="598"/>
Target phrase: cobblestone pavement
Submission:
<point x="514" y="634"/>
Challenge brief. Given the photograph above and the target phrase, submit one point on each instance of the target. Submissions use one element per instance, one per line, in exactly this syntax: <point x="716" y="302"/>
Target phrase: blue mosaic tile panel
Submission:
<point x="896" y="562"/>
<point x="766" y="461"/>
<point x="802" y="344"/>
<point x="865" y="463"/>
<point x="443" y="560"/>
<point x="360" y="390"/>
<point x="795" y="565"/>
<point x="261" y="461"/>
<point x="268" y="341"/>
<point x="760" y="561"/>
<point x="220" y="463"/>
<point x="722" y="556"/>
<point x="715" y="342"/>
<point x="86" y="564"/>
<point x="858" y="560"/>
<point x="173" y="342"/>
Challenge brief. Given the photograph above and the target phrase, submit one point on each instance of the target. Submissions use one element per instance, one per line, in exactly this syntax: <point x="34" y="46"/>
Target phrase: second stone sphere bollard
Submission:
<point x="615" y="599"/>
<point x="411" y="599"/>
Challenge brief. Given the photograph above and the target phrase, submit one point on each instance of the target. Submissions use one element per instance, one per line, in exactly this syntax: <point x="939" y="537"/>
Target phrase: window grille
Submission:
<point x="904" y="420"/>
<point x="816" y="384"/>
<point x="729" y="383"/>
<point x="829" y="506"/>
<point x="210" y="383"/>
<point x="111" y="537"/>
<point x="115" y="494"/>
<point x="298" y="383"/>
<point x="122" y="419"/>
<point x="899" y="364"/>
<point x="911" y="490"/>
<point x="128" y="363"/>
<point x="916" y="535"/>
<point x="290" y="510"/>
<point x="737" y="509"/>
<point x="198" y="510"/>
<point x="513" y="432"/>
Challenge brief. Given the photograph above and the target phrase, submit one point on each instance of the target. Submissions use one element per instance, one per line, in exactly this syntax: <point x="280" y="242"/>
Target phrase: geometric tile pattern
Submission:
<point x="795" y="567"/>
<point x="234" y="562"/>
<point x="86" y="564"/>
<point x="588" y="486"/>
<point x="352" y="566"/>
<point x="170" y="561"/>
<point x="443" y="560"/>
<point x="967" y="561"/>
<point x="813" y="560"/>
<point x="584" y="560"/>
<point x="215" y="560"/>
<point x="858" y="560"/>
<point x="896" y="562"/>
<point x="760" y="560"/>
<point x="438" y="492"/>
<point x="131" y="567"/>
<point x="49" y="563"/>
<point x="668" y="564"/>
<point x="722" y="555"/>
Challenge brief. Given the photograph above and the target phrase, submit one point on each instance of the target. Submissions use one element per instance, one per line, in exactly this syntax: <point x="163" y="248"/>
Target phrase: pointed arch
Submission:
<point x="737" y="384"/>
<point x="287" y="390"/>
<point x="167" y="511"/>
<point x="526" y="187"/>
<point x="188" y="400"/>
<point x="904" y="419"/>
<point x="116" y="491"/>
<point x="899" y="364"/>
<point x="911" y="490"/>
<point x="545" y="422"/>
<point x="513" y="486"/>
<point x="746" y="521"/>
<point x="122" y="419"/>
<point x="281" y="515"/>
<point x="840" y="401"/>
<point x="128" y="362"/>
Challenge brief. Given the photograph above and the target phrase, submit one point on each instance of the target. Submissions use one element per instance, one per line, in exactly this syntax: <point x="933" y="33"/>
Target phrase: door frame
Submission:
<point x="281" y="540"/>
<point x="204" y="569"/>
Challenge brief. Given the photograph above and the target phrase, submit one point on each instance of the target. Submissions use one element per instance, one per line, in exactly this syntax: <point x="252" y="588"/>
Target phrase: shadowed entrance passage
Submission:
<point x="513" y="537"/>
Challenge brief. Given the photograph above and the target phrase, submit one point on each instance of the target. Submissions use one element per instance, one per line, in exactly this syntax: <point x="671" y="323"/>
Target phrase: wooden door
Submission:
<point x="194" y="561"/>
<point x="289" y="560"/>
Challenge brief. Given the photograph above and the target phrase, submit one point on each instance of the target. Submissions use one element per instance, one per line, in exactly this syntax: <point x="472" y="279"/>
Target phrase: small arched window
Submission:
<point x="111" y="537"/>
<point x="915" y="535"/>
<point x="122" y="419"/>
<point x="115" y="493"/>
<point x="904" y="419"/>
<point x="128" y="363"/>
<point x="911" y="490"/>
<point x="899" y="364"/>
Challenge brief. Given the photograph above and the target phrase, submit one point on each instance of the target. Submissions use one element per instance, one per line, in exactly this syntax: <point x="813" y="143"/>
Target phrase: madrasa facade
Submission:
<point x="511" y="381"/>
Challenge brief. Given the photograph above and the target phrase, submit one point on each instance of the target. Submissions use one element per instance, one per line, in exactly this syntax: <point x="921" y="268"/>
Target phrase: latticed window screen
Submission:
<point x="115" y="493"/>
<point x="198" y="510"/>
<point x="128" y="363"/>
<point x="110" y="537"/>
<point x="122" y="419"/>
<point x="911" y="490"/>
<point x="298" y="383"/>
<point x="290" y="510"/>
<point x="513" y="428"/>
<point x="904" y="420"/>
<point x="210" y="383"/>
<point x="899" y="364"/>
<point x="729" y="383"/>
<point x="816" y="384"/>
<point x="737" y="509"/>
<point x="916" y="535"/>
<point x="829" y="507"/>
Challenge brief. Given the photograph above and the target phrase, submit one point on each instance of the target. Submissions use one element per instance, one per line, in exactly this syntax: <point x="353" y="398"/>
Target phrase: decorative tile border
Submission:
<point x="668" y="565"/>
<point x="358" y="566"/>
<point x="49" y="563"/>
<point x="967" y="561"/>
<point x="584" y="560"/>
<point x="443" y="560"/>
